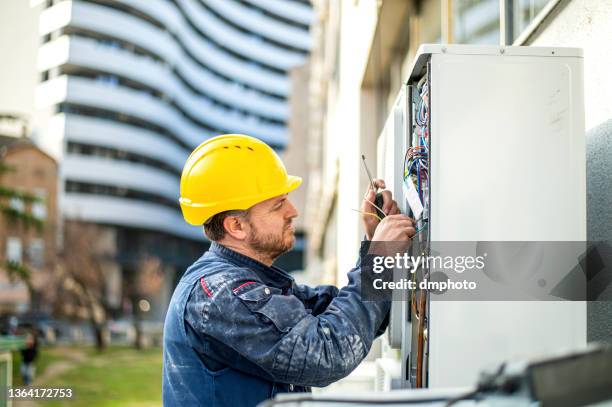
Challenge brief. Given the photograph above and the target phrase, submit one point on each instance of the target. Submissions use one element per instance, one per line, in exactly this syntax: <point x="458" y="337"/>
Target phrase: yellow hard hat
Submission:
<point x="228" y="172"/>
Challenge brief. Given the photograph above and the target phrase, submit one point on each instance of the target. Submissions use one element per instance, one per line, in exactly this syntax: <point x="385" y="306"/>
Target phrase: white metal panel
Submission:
<point x="386" y="168"/>
<point x="507" y="145"/>
<point x="392" y="145"/>
<point x="508" y="150"/>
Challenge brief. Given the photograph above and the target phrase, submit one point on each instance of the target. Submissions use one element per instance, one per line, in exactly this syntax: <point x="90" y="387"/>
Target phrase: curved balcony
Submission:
<point x="259" y="23"/>
<point x="300" y="13"/>
<point x="93" y="131"/>
<point x="104" y="171"/>
<point x="143" y="34"/>
<point x="129" y="213"/>
<point x="91" y="54"/>
<point x="248" y="46"/>
<point x="88" y="92"/>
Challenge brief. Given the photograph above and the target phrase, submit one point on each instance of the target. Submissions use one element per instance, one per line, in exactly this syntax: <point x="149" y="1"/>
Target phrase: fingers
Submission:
<point x="395" y="227"/>
<point x="370" y="195"/>
<point x="387" y="201"/>
<point x="378" y="183"/>
<point x="394" y="209"/>
<point x="368" y="200"/>
<point x="405" y="225"/>
<point x="410" y="232"/>
<point x="399" y="217"/>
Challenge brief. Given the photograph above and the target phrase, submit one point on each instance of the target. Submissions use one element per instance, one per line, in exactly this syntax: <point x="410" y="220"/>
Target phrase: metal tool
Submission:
<point x="378" y="201"/>
<point x="367" y="170"/>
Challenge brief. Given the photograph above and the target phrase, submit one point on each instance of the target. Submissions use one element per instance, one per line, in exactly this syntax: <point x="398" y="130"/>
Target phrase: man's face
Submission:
<point x="270" y="226"/>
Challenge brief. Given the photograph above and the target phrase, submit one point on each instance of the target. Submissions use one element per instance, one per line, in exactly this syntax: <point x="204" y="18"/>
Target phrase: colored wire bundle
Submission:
<point x="416" y="160"/>
<point x="422" y="110"/>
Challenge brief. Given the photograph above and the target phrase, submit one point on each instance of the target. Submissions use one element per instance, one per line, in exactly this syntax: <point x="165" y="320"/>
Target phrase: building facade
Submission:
<point x="129" y="88"/>
<point x="34" y="173"/>
<point x="362" y="53"/>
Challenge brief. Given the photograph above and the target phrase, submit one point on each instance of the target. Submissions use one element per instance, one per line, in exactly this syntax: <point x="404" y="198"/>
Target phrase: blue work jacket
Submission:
<point x="237" y="332"/>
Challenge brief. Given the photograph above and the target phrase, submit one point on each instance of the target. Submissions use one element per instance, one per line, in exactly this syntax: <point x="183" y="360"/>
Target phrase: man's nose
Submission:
<point x="292" y="211"/>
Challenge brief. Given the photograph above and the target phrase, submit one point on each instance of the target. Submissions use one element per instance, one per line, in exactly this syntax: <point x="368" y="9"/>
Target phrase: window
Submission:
<point x="39" y="208"/>
<point x="476" y="21"/>
<point x="17" y="204"/>
<point x="36" y="252"/>
<point x="13" y="249"/>
<point x="523" y="13"/>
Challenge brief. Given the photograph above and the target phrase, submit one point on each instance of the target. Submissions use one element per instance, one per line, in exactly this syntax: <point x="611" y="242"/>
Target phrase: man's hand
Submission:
<point x="393" y="235"/>
<point x="395" y="228"/>
<point x="389" y="207"/>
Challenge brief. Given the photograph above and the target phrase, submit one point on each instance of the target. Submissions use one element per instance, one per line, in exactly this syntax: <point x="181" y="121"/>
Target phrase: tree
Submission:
<point x="80" y="280"/>
<point x="15" y="217"/>
<point x="144" y="281"/>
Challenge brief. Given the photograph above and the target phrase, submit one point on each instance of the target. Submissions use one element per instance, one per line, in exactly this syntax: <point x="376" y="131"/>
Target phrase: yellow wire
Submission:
<point x="367" y="213"/>
<point x="373" y="204"/>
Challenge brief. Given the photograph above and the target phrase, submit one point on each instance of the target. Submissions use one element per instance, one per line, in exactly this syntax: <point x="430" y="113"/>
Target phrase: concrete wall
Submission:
<point x="586" y="24"/>
<point x="294" y="155"/>
<point x="18" y="53"/>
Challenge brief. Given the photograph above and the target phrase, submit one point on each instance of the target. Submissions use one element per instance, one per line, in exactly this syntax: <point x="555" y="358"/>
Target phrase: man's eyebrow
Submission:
<point x="283" y="199"/>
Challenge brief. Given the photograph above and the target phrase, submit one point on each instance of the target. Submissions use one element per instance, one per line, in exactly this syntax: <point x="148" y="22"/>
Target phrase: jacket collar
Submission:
<point x="272" y="275"/>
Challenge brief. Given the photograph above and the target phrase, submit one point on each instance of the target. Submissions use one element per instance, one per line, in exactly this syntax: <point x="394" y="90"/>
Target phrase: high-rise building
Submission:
<point x="128" y="88"/>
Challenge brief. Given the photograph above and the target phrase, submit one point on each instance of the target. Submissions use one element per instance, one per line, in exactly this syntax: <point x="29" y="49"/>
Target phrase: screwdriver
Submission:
<point x="378" y="201"/>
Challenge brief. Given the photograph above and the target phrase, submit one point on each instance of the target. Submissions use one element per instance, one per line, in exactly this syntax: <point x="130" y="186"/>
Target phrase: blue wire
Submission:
<point x="410" y="168"/>
<point x="424" y="143"/>
<point x="419" y="180"/>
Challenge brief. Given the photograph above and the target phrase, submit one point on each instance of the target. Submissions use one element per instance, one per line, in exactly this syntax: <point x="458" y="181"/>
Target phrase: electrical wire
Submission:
<point x="374" y="205"/>
<point x="367" y="213"/>
<point x="416" y="167"/>
<point x="420" y="230"/>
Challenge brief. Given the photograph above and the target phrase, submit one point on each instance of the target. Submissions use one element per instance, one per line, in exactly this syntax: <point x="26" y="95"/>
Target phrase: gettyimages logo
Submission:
<point x="458" y="264"/>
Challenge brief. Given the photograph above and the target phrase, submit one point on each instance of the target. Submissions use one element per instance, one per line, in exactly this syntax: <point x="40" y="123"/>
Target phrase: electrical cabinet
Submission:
<point x="486" y="144"/>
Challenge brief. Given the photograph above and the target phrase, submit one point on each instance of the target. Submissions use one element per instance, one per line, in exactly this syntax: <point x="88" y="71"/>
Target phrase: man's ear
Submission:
<point x="235" y="227"/>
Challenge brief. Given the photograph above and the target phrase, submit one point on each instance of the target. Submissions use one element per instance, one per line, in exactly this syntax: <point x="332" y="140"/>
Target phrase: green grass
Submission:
<point x="45" y="358"/>
<point x="119" y="376"/>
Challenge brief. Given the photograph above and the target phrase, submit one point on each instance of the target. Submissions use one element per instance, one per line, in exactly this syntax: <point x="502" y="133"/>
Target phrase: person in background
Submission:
<point x="28" y="357"/>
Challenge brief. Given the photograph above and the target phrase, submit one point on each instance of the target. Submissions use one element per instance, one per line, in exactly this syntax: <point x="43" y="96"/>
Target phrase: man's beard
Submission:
<point x="268" y="244"/>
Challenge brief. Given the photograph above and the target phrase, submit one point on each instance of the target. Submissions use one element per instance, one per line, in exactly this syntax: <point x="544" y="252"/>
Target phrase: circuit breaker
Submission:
<point x="485" y="144"/>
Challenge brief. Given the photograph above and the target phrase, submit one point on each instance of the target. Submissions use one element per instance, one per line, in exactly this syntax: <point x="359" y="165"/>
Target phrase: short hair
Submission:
<point x="213" y="227"/>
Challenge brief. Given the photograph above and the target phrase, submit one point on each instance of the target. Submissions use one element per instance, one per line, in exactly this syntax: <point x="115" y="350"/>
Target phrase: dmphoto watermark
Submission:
<point x="488" y="271"/>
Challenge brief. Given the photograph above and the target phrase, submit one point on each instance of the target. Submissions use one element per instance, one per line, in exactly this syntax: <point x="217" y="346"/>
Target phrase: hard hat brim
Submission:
<point x="197" y="214"/>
